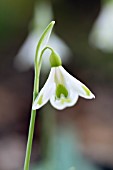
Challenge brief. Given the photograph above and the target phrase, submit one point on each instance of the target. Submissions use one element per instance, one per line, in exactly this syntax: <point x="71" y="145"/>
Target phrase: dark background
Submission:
<point x="93" y="119"/>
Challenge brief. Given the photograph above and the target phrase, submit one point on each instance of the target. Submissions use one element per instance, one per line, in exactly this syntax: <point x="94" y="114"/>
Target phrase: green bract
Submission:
<point x="43" y="41"/>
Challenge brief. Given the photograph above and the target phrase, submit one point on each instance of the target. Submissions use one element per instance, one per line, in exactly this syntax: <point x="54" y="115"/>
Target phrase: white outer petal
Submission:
<point x="47" y="91"/>
<point x="76" y="84"/>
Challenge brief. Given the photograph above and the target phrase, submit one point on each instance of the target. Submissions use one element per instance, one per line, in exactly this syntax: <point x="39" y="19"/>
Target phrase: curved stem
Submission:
<point x="38" y="59"/>
<point x="47" y="47"/>
<point x="33" y="112"/>
<point x="32" y="121"/>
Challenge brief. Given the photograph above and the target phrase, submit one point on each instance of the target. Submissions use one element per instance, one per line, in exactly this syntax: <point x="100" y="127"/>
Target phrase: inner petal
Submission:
<point x="61" y="90"/>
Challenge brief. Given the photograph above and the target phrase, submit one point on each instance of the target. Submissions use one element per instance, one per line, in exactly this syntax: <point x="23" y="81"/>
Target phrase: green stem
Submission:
<point x="32" y="120"/>
<point x="38" y="61"/>
<point x="30" y="139"/>
<point x="33" y="112"/>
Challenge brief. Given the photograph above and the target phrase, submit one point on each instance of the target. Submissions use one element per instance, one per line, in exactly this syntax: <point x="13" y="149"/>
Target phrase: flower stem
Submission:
<point x="30" y="139"/>
<point x="32" y="120"/>
<point x="33" y="112"/>
<point x="38" y="61"/>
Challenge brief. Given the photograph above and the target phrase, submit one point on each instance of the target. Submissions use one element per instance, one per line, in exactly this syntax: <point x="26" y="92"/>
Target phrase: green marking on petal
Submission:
<point x="58" y="77"/>
<point x="86" y="90"/>
<point x="40" y="100"/>
<point x="65" y="100"/>
<point x="61" y="90"/>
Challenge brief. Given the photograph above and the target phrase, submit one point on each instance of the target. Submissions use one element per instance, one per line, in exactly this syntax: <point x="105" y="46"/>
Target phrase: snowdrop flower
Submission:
<point x="61" y="88"/>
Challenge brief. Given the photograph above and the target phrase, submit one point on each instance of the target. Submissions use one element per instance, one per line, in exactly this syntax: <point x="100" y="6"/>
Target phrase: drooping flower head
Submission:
<point x="61" y="88"/>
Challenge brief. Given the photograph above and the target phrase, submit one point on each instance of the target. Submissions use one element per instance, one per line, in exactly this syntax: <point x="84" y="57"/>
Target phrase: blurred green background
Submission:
<point x="90" y="122"/>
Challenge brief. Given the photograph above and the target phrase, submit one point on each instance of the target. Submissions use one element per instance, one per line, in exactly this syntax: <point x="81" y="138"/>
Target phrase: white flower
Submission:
<point x="61" y="89"/>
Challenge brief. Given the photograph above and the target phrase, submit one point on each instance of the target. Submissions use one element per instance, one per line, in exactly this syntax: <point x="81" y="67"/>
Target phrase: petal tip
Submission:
<point x="53" y="22"/>
<point x="34" y="107"/>
<point x="93" y="96"/>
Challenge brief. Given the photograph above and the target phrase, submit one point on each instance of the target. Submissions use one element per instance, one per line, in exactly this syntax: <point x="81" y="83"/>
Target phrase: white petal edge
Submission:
<point x="76" y="84"/>
<point x="46" y="92"/>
